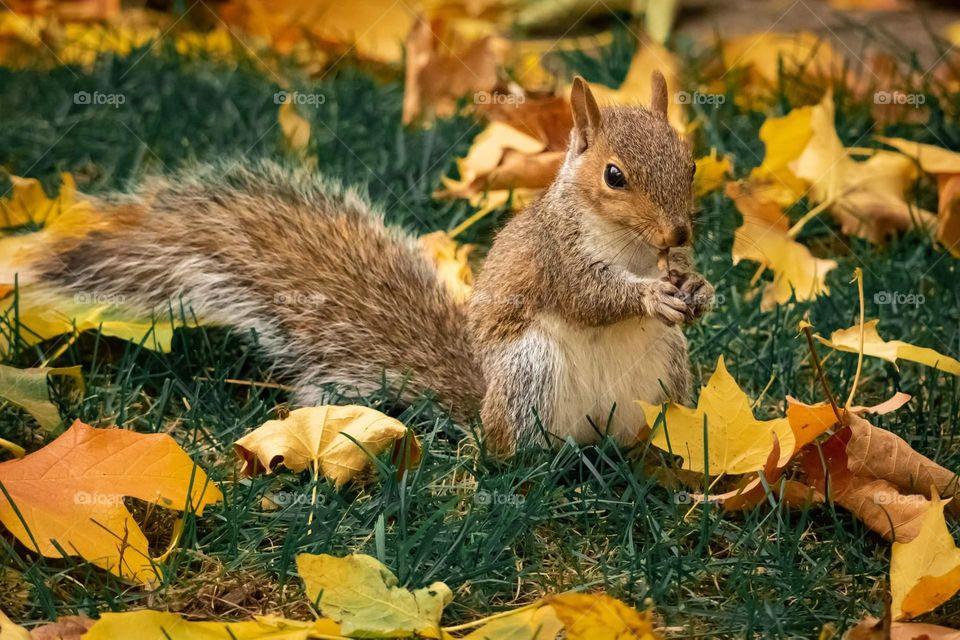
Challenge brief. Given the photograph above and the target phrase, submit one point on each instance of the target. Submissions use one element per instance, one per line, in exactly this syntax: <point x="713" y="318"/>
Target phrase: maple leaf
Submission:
<point x="735" y="442"/>
<point x="763" y="237"/>
<point x="27" y="388"/>
<point x="365" y="598"/>
<point x="924" y="572"/>
<point x="588" y="616"/>
<point x="67" y="497"/>
<point x="337" y="441"/>
<point x="891" y="351"/>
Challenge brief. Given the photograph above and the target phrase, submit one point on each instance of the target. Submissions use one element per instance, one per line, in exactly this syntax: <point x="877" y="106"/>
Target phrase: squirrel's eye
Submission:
<point x="614" y="177"/>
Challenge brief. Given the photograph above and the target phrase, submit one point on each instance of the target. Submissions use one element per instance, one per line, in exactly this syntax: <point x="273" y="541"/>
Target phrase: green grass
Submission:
<point x="588" y="518"/>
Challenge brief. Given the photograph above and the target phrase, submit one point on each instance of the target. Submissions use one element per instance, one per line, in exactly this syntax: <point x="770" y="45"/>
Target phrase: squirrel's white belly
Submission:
<point x="599" y="368"/>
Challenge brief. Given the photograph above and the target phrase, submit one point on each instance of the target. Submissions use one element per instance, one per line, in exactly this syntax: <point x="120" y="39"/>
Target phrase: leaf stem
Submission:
<point x="816" y="364"/>
<point x="858" y="277"/>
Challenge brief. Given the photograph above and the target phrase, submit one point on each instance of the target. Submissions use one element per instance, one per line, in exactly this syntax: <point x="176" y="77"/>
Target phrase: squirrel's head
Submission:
<point x="631" y="167"/>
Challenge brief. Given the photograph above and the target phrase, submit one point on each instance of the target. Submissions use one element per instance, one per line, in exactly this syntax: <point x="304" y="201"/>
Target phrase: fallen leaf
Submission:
<point x="441" y="68"/>
<point x="924" y="572"/>
<point x="65" y="628"/>
<point x="295" y="128"/>
<point x="873" y="629"/>
<point x="365" y="598"/>
<point x="867" y="198"/>
<point x="763" y="237"/>
<point x="945" y="165"/>
<point x="784" y="139"/>
<point x="873" y="345"/>
<point x="540" y="623"/>
<point x="810" y="421"/>
<point x="161" y="625"/>
<point x="338" y="441"/>
<point x="711" y="173"/>
<point x="70" y="495"/>
<point x="10" y="630"/>
<point x="738" y="442"/>
<point x="452" y="263"/>
<point x="595" y="616"/>
<point x="27" y="389"/>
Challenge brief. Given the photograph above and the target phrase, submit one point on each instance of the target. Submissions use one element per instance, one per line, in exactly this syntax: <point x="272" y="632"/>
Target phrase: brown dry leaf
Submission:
<point x="867" y="198"/>
<point x="763" y="238"/>
<point x="873" y="629"/>
<point x="925" y="572"/>
<point x="441" y="68"/>
<point x="369" y="29"/>
<point x="452" y="262"/>
<point x="890" y="350"/>
<point x="70" y="495"/>
<point x="945" y="165"/>
<point x="337" y="441"/>
<point x="65" y="628"/>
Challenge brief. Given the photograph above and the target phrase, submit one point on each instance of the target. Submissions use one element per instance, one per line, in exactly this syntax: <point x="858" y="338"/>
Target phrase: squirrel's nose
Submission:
<point x="675" y="236"/>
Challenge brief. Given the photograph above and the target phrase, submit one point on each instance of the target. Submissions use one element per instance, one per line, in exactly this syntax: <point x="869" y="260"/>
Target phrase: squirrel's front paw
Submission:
<point x="695" y="291"/>
<point x="664" y="300"/>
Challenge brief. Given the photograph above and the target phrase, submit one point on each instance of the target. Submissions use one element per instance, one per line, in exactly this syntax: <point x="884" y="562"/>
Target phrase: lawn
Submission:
<point x="499" y="534"/>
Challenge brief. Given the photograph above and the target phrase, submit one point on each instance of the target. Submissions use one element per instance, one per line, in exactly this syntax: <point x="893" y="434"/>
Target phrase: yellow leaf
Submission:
<point x="766" y="52"/>
<point x="11" y="631"/>
<point x="636" y="87"/>
<point x="763" y="237"/>
<point x="27" y="388"/>
<point x="295" y="128"/>
<point x="451" y="261"/>
<point x="71" y="492"/>
<point x="784" y="139"/>
<point x="599" y="617"/>
<point x="867" y="198"/>
<point x="924" y="572"/>
<point x="363" y="596"/>
<point x="711" y="173"/>
<point x="540" y="623"/>
<point x="873" y="345"/>
<point x="486" y="153"/>
<point x="737" y="442"/>
<point x="161" y="625"/>
<point x="339" y="440"/>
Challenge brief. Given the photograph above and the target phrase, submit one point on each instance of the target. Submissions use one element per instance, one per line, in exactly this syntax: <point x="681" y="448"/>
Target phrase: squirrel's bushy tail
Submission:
<point x="333" y="295"/>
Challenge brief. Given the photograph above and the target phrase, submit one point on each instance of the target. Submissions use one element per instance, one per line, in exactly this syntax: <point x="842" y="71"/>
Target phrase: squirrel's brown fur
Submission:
<point x="571" y="315"/>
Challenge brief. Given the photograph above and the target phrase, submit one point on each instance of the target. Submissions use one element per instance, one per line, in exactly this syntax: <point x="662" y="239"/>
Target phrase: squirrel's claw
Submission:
<point x="695" y="291"/>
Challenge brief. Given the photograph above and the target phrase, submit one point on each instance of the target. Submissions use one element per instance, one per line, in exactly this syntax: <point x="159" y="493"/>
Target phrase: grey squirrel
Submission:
<point x="572" y="313"/>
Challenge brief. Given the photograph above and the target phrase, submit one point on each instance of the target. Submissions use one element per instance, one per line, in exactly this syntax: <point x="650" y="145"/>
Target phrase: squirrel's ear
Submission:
<point x="658" y="93"/>
<point x="586" y="114"/>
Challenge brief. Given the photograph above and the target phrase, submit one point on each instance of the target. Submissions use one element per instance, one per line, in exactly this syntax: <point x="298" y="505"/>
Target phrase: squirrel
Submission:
<point x="572" y="320"/>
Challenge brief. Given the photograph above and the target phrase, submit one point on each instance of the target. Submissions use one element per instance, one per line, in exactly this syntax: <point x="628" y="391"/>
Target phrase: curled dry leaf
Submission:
<point x="873" y="629"/>
<point x="873" y="345"/>
<point x="366" y="599"/>
<point x="70" y="493"/>
<point x="452" y="263"/>
<point x="763" y="238"/>
<point x="738" y="442"/>
<point x="925" y="572"/>
<point x="337" y="441"/>
<point x="27" y="389"/>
